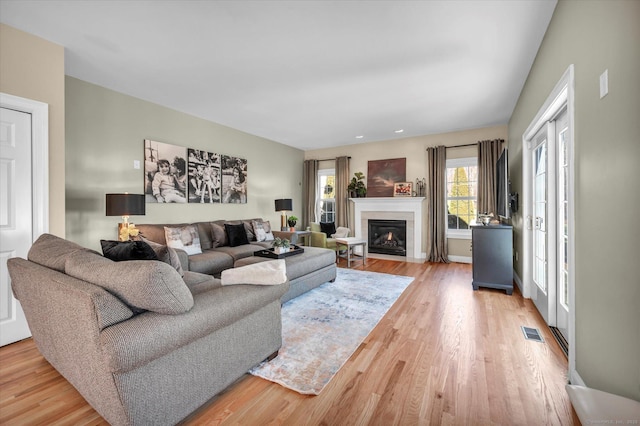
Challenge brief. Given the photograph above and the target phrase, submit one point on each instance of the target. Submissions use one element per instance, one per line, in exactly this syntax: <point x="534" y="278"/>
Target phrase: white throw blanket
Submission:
<point x="271" y="272"/>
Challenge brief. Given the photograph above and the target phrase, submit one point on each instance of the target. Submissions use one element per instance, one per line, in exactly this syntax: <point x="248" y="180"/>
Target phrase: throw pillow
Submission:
<point x="185" y="238"/>
<point x="218" y="235"/>
<point x="341" y="232"/>
<point x="166" y="255"/>
<point x="150" y="286"/>
<point x="258" y="230"/>
<point x="236" y="234"/>
<point x="267" y="229"/>
<point x="328" y="228"/>
<point x="127" y="250"/>
<point x="52" y="251"/>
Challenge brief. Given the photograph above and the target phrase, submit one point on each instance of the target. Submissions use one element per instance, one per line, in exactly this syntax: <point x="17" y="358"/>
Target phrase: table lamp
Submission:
<point x="125" y="205"/>
<point x="284" y="205"/>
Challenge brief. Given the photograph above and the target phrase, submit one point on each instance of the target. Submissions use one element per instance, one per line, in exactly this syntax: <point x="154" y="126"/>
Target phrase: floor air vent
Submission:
<point x="532" y="334"/>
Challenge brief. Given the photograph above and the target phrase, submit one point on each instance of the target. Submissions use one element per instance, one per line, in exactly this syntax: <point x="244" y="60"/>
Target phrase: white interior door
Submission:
<point x="16" y="220"/>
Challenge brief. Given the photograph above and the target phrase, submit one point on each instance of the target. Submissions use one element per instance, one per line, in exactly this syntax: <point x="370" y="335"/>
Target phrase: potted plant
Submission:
<point x="356" y="186"/>
<point x="280" y="245"/>
<point x="292" y="223"/>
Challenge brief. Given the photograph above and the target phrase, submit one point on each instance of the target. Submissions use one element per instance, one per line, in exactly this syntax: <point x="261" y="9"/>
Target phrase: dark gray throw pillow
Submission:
<point x="127" y="250"/>
<point x="236" y="234"/>
<point x="328" y="228"/>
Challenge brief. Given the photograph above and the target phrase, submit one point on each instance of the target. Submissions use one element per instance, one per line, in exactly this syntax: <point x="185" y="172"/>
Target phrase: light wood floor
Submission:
<point x="443" y="354"/>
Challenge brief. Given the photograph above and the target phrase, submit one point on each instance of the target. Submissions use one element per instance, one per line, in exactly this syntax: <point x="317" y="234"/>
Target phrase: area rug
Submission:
<point x="323" y="327"/>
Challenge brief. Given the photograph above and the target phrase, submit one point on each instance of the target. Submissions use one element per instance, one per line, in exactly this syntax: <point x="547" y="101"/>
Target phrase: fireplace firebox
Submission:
<point x="388" y="237"/>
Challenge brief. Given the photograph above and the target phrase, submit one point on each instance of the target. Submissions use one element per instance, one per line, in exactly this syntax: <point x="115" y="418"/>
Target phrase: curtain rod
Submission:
<point x="459" y="146"/>
<point x="462" y="146"/>
<point x="328" y="159"/>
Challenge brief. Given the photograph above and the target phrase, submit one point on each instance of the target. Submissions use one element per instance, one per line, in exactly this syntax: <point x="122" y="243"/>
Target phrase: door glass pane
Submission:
<point x="540" y="211"/>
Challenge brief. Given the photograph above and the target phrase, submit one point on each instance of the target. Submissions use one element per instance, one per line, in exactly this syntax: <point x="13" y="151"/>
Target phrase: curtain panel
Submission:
<point x="309" y="178"/>
<point x="436" y="205"/>
<point x="488" y="154"/>
<point x="342" y="195"/>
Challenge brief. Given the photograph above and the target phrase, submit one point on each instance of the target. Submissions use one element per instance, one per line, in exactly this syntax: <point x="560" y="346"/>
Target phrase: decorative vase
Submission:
<point x="280" y="250"/>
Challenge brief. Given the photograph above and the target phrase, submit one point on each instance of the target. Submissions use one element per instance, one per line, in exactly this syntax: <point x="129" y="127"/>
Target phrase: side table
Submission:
<point x="352" y="243"/>
<point x="294" y="236"/>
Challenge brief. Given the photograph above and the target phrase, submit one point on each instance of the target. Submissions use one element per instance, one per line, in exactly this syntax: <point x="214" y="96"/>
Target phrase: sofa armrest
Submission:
<point x="184" y="258"/>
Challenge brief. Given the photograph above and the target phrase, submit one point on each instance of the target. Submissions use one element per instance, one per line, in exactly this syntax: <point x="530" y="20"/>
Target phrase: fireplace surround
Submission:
<point x="408" y="209"/>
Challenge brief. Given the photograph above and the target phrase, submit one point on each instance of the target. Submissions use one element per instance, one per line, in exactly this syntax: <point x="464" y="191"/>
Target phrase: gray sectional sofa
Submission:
<point x="143" y="344"/>
<point x="305" y="271"/>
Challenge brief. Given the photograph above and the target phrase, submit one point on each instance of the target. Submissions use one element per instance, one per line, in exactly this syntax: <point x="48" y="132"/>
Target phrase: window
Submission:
<point x="326" y="196"/>
<point x="462" y="196"/>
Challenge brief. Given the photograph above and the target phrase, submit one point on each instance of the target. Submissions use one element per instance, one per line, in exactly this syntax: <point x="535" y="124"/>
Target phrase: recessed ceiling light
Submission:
<point x="398" y="131"/>
<point x="359" y="137"/>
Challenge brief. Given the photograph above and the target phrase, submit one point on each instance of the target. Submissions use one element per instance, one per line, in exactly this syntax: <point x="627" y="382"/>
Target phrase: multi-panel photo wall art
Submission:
<point x="204" y="176"/>
<point x="175" y="174"/>
<point x="165" y="172"/>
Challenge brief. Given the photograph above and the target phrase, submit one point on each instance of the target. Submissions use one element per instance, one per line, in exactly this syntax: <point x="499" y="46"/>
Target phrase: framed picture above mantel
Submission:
<point x="383" y="174"/>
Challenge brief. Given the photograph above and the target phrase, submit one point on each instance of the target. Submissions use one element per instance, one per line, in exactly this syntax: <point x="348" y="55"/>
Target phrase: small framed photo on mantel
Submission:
<point x="402" y="189"/>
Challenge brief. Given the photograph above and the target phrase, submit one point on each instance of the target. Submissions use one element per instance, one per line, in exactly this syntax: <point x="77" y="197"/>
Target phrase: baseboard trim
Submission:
<point x="460" y="259"/>
<point x="518" y="281"/>
<point x="575" y="379"/>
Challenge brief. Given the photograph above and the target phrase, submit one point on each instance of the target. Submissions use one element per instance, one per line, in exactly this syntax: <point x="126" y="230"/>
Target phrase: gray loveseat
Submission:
<point x="314" y="267"/>
<point x="142" y="344"/>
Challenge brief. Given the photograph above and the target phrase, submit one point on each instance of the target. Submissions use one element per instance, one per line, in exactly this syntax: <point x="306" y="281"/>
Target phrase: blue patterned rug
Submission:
<point x="322" y="328"/>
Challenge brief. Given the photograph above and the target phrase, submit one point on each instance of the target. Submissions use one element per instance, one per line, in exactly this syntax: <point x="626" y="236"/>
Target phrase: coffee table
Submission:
<point x="352" y="243"/>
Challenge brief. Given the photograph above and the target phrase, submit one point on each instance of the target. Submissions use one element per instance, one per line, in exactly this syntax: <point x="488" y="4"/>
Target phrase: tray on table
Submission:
<point x="271" y="254"/>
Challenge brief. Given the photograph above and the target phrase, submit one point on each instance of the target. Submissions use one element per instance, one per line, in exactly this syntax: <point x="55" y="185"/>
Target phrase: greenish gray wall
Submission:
<point x="595" y="36"/>
<point x="105" y="131"/>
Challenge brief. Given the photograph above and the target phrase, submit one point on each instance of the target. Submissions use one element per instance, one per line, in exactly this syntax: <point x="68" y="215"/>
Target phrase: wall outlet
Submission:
<point x="136" y="164"/>
<point x="516" y="254"/>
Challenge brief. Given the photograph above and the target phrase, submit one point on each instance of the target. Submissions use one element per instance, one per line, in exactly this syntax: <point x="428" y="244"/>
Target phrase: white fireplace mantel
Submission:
<point x="402" y="208"/>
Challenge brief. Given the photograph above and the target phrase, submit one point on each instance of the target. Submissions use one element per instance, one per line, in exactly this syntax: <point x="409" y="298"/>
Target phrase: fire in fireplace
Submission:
<point x="388" y="237"/>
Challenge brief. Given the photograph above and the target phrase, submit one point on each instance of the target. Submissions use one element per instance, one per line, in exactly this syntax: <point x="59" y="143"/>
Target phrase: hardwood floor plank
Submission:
<point x="443" y="354"/>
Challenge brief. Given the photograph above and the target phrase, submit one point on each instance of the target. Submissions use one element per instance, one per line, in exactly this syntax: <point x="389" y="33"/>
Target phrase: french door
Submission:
<point x="548" y="222"/>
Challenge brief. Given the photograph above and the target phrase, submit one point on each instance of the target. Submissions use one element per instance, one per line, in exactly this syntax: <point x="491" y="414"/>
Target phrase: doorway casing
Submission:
<point x="562" y="95"/>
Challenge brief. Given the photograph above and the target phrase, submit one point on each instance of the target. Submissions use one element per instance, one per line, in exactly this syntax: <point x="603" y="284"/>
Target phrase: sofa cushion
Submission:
<point x="240" y="252"/>
<point x="211" y="262"/>
<point x="185" y="238"/>
<point x="166" y="254"/>
<point x="237" y="234"/>
<point x="126" y="348"/>
<point x="328" y="228"/>
<point x="119" y="251"/>
<point x="141" y="284"/>
<point x="199" y="283"/>
<point x="52" y="252"/>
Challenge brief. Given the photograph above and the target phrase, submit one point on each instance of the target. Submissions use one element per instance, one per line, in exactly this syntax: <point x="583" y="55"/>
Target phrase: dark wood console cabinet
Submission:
<point x="492" y="257"/>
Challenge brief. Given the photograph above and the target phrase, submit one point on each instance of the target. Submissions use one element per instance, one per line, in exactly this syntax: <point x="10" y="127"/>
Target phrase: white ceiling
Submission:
<point x="309" y="74"/>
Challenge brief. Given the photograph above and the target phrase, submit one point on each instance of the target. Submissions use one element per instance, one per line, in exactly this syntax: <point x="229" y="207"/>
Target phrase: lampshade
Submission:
<point x="125" y="204"/>
<point x="284" y="204"/>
